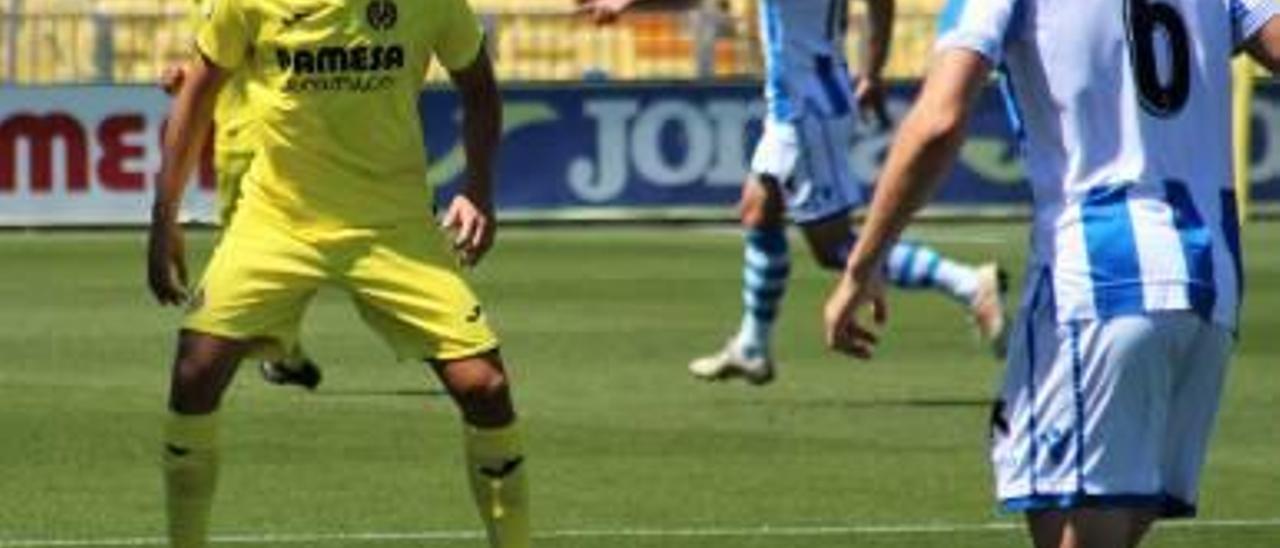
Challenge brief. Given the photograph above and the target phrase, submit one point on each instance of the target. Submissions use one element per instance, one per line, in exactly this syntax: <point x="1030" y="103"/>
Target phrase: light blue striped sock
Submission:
<point x="914" y="266"/>
<point x="766" y="264"/>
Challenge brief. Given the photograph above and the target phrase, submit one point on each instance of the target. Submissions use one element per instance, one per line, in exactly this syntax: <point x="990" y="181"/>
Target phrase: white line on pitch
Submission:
<point x="763" y="531"/>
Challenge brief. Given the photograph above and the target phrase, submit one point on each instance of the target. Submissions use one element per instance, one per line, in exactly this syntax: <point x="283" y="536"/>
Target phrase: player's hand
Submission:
<point x="844" y="331"/>
<point x="167" y="263"/>
<point x="603" y="11"/>
<point x="470" y="219"/>
<point x="870" y="95"/>
<point x="171" y="78"/>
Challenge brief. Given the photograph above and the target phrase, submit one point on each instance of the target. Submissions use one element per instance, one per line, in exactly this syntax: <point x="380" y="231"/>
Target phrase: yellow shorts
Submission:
<point x="404" y="281"/>
<point x="230" y="168"/>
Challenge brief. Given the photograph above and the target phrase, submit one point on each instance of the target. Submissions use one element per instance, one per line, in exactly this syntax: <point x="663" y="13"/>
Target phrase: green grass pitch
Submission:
<point x="625" y="449"/>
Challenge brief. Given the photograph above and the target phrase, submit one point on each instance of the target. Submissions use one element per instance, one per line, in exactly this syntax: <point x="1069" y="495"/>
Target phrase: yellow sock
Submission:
<point x="495" y="467"/>
<point x="190" y="474"/>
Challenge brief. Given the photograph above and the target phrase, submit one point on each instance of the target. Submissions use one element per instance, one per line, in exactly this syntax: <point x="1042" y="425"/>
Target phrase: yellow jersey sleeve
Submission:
<point x="460" y="36"/>
<point x="224" y="38"/>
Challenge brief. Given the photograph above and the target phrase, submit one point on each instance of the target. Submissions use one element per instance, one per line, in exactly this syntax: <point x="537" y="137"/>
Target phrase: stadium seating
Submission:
<point x="80" y="41"/>
<point x="53" y="43"/>
<point x="130" y="41"/>
<point x="146" y="36"/>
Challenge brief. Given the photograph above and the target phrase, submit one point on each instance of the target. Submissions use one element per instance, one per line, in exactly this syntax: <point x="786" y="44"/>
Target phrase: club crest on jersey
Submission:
<point x="382" y="14"/>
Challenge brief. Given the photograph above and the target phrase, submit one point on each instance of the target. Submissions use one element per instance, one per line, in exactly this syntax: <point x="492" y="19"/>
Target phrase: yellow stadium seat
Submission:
<point x="70" y="41"/>
<point x="663" y="48"/>
<point x="536" y="47"/>
<point x="53" y="43"/>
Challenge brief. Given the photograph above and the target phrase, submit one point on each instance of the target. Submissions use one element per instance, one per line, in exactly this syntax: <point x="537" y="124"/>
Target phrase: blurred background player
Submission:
<point x="233" y="149"/>
<point x="800" y="169"/>
<point x="335" y="197"/>
<point x="1116" y="365"/>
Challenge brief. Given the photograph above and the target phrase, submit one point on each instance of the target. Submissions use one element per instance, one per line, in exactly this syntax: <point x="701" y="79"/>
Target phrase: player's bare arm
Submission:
<point x="608" y="11"/>
<point x="924" y="150"/>
<point x="470" y="216"/>
<point x="1264" y="45"/>
<point x="604" y="11"/>
<point x="190" y="117"/>
<point x="875" y="52"/>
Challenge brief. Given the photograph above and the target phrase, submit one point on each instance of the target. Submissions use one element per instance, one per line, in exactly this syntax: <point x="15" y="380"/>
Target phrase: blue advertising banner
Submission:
<point x="610" y="146"/>
<point x="77" y="155"/>
<point x="689" y="145"/>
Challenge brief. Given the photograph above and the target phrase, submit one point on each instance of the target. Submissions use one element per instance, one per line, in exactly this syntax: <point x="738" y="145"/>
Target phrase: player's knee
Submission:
<point x="752" y="215"/>
<point x="486" y="403"/>
<point x="481" y="389"/>
<point x="480" y="385"/>
<point x="761" y="203"/>
<point x="196" y="385"/>
<point x="202" y="369"/>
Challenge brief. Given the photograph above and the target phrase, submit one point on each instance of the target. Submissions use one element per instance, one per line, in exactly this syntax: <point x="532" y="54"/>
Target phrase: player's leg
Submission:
<point x="765" y="266"/>
<point x="294" y="367"/>
<point x="1186" y="359"/>
<point x="1049" y="529"/>
<point x="202" y="370"/>
<point x="1080" y="426"/>
<point x="981" y="289"/>
<point x="1196" y="383"/>
<point x="410" y="291"/>
<point x="479" y="386"/>
<point x="492" y="445"/>
<point x="826" y="189"/>
<point x="1089" y="527"/>
<point x="1140" y="525"/>
<point x="254" y="289"/>
<point x="910" y="265"/>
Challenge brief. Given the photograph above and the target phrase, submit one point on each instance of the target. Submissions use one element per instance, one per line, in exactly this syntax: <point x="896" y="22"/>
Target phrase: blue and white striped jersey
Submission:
<point x="805" y="67"/>
<point x="1123" y="110"/>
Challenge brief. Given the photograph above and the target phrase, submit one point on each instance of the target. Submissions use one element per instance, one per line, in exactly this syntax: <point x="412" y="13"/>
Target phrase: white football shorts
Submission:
<point x="809" y="157"/>
<point x="1106" y="414"/>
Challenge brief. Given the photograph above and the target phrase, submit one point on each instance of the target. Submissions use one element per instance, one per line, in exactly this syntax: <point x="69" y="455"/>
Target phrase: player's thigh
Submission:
<point x="808" y="159"/>
<point x="777" y="153"/>
<point x="1081" y="419"/>
<point x="257" y="285"/>
<point x="1194" y="402"/>
<point x="202" y="369"/>
<point x="1088" y="527"/>
<point x="409" y="289"/>
<point x="1018" y="421"/>
<point x="829" y="239"/>
<point x="761" y="204"/>
<point x="1124" y="368"/>
<point x="823" y="185"/>
<point x="773" y="165"/>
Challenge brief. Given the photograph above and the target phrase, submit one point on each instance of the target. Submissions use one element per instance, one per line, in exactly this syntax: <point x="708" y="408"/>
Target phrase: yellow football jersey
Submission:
<point x="335" y="88"/>
<point x="232" y="114"/>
